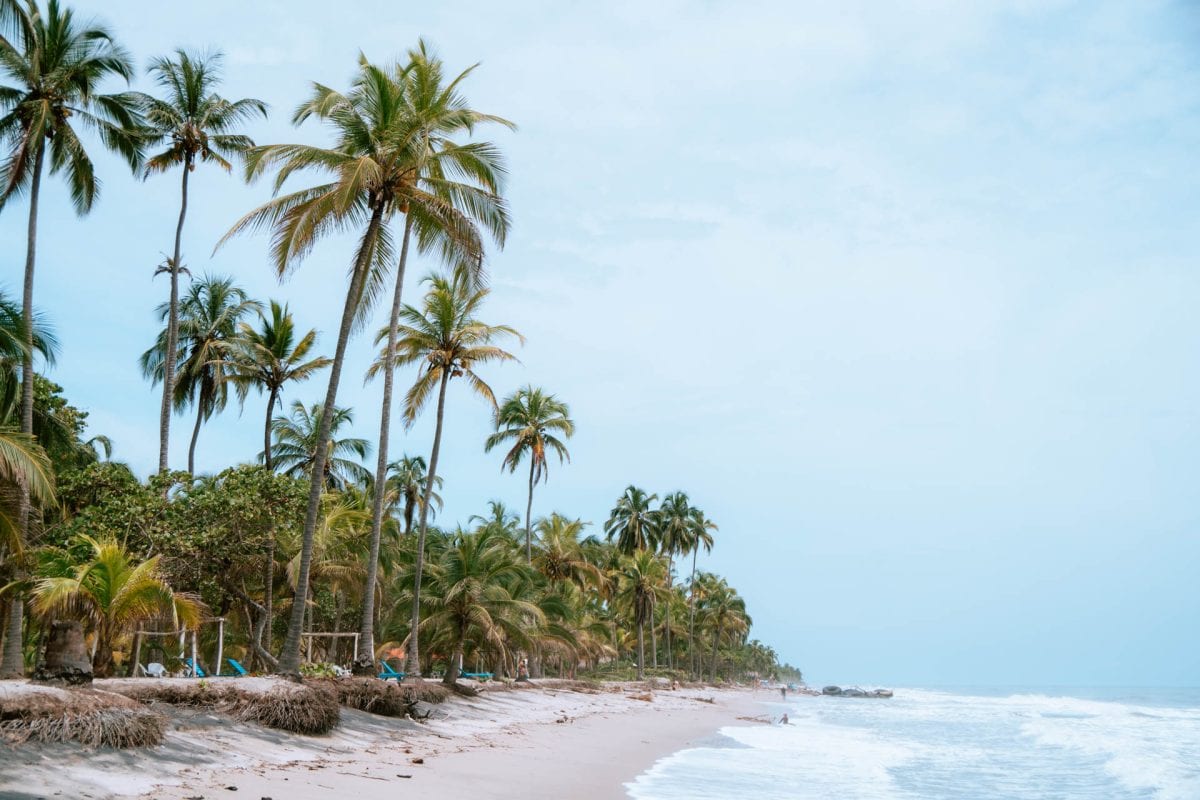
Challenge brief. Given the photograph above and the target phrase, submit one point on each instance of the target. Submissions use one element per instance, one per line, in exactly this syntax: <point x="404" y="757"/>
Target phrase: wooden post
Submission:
<point x="309" y="656"/>
<point x="195" y="654"/>
<point x="137" y="654"/>
<point x="220" y="645"/>
<point x="355" y="659"/>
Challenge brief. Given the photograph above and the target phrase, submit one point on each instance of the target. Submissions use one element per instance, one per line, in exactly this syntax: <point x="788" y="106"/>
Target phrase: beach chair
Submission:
<point x="477" y="676"/>
<point x="193" y="670"/>
<point x="154" y="670"/>
<point x="238" y="670"/>
<point x="389" y="673"/>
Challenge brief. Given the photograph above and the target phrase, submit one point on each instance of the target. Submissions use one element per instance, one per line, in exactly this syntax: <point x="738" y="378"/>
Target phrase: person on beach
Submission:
<point x="783" y="692"/>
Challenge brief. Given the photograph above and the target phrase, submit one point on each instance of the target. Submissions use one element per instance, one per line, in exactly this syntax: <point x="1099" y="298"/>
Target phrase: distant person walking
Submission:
<point x="783" y="692"/>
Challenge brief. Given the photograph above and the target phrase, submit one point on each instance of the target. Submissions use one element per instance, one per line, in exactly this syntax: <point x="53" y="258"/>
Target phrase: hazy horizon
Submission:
<point x="903" y="296"/>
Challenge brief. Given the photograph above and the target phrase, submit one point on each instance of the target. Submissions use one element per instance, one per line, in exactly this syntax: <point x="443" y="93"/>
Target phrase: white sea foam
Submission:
<point x="937" y="745"/>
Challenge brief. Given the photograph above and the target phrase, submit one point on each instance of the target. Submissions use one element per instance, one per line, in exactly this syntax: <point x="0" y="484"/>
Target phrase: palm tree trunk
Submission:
<point x="653" y="639"/>
<point x="413" y="658"/>
<point x="271" y="401"/>
<point x="289" y="657"/>
<point x="692" y="614"/>
<point x="164" y="412"/>
<point x="365" y="665"/>
<point x="196" y="434"/>
<point x="667" y="610"/>
<point x="268" y="593"/>
<point x="641" y="652"/>
<point x="454" y="669"/>
<point x="528" y="513"/>
<point x="12" y="665"/>
<point x="716" y="641"/>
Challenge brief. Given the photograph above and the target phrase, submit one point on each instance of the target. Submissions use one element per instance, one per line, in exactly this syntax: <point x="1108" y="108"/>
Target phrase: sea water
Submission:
<point x="1115" y="744"/>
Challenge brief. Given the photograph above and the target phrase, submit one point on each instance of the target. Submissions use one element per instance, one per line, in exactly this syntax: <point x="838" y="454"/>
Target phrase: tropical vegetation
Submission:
<point x="298" y="537"/>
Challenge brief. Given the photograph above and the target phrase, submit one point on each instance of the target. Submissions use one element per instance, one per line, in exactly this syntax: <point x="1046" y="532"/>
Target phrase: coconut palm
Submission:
<point x="639" y="579"/>
<point x="701" y="536"/>
<point x="407" y="478"/>
<point x="270" y="357"/>
<point x="528" y="419"/>
<point x="633" y="522"/>
<point x="296" y="451"/>
<point x="111" y="592"/>
<point x="676" y="531"/>
<point x="724" y="612"/>
<point x="360" y="195"/>
<point x="449" y="341"/>
<point x="210" y="318"/>
<point x="469" y="596"/>
<point x="447" y="190"/>
<point x="56" y="66"/>
<point x="197" y="125"/>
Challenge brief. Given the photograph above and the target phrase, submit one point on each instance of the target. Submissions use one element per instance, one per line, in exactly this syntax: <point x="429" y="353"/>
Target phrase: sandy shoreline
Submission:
<point x="540" y="743"/>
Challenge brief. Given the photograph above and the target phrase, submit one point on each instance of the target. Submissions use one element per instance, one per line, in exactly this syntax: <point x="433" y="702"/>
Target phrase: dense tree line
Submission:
<point x="312" y="537"/>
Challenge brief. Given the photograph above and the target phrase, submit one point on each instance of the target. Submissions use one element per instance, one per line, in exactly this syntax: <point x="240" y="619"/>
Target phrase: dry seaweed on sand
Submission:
<point x="85" y="716"/>
<point x="309" y="707"/>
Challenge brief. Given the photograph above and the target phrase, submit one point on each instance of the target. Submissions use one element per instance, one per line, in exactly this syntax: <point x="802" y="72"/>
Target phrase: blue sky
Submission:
<point x="902" y="294"/>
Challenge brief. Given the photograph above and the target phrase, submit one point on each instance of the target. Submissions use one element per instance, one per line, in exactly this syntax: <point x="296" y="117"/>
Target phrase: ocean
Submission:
<point x="976" y="744"/>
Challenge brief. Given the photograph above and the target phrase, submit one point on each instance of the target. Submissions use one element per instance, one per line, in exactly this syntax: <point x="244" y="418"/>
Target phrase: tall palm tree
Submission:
<point x="446" y="190"/>
<point x="447" y="338"/>
<point x="677" y="529"/>
<point x="638" y="581"/>
<point x="359" y="195"/>
<point x="296" y="447"/>
<point x="701" y="536"/>
<point x="270" y="357"/>
<point x="112" y="592"/>
<point x="197" y="125"/>
<point x="633" y="522"/>
<point x="56" y="66"/>
<point x="210" y="320"/>
<point x="407" y="478"/>
<point x="529" y="419"/>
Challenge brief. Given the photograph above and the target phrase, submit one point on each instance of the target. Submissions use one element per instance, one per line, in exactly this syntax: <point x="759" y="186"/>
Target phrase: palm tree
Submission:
<point x="407" y="478"/>
<point x="633" y="522"/>
<point x="724" y="611"/>
<point x="359" y="194"/>
<point x="423" y="113"/>
<point x="270" y="357"/>
<point x="111" y="592"/>
<point x="701" y="536"/>
<point x="638" y="581"/>
<point x="210" y="320"/>
<point x="677" y="529"/>
<point x="198" y="125"/>
<point x="57" y="66"/>
<point x="469" y="595"/>
<point x="446" y="337"/>
<point x="296" y="449"/>
<point x="529" y="419"/>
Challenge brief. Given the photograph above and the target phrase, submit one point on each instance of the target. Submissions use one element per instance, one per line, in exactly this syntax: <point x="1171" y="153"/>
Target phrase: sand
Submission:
<point x="533" y="743"/>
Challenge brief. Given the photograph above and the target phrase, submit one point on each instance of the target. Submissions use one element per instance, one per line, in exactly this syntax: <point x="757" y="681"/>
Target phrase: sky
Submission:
<point x="902" y="294"/>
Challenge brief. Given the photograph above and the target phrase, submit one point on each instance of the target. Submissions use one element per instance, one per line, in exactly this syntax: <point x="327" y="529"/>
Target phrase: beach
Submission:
<point x="531" y="743"/>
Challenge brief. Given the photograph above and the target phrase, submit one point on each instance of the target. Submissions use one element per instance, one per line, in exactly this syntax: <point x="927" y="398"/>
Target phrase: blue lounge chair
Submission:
<point x="194" y="669"/>
<point x="238" y="670"/>
<point x="478" y="676"/>
<point x="389" y="673"/>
